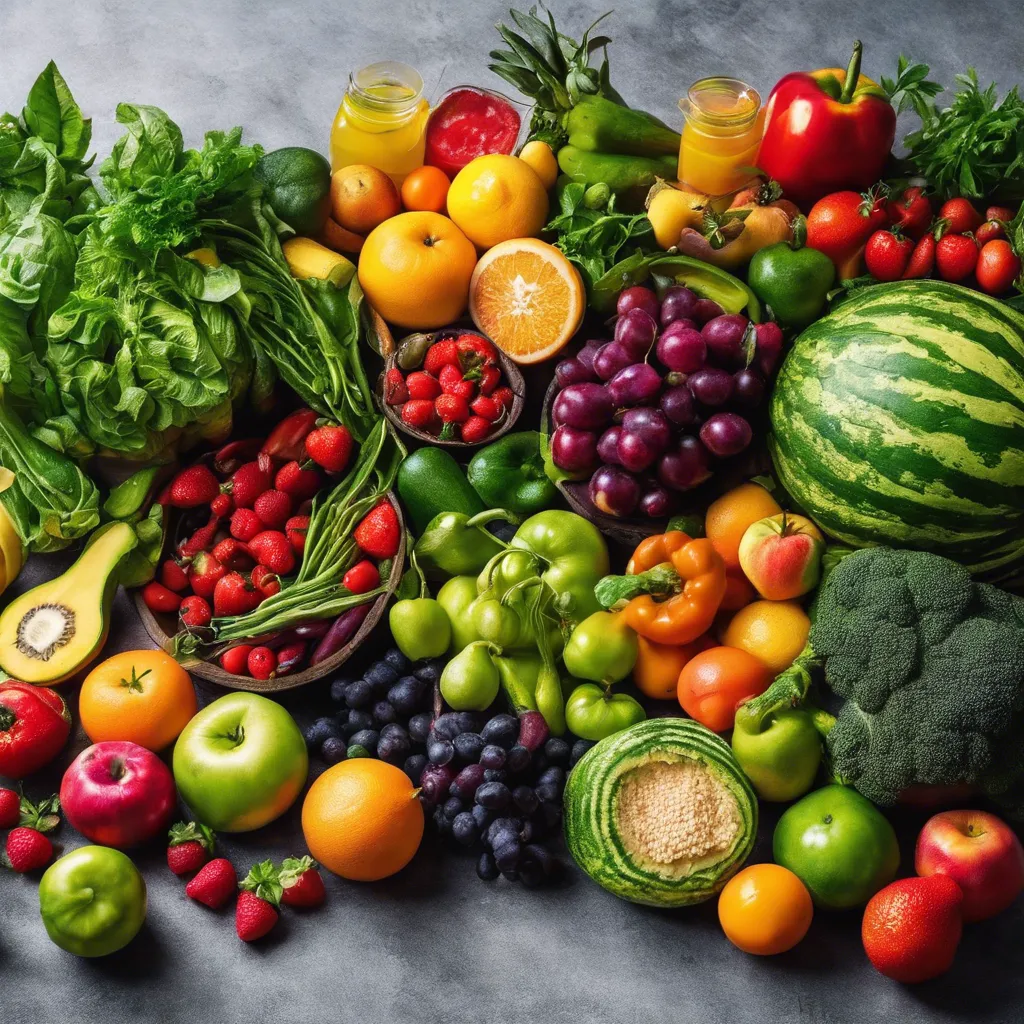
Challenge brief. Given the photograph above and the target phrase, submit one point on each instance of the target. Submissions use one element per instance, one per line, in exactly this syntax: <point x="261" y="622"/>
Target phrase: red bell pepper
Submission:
<point x="826" y="131"/>
<point x="34" y="726"/>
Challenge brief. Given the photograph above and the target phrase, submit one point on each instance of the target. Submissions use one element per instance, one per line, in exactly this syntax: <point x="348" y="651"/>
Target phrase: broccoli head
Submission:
<point x="930" y="669"/>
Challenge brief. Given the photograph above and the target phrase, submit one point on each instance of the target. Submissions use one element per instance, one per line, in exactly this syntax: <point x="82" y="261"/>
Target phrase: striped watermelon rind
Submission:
<point x="591" y="811"/>
<point x="899" y="419"/>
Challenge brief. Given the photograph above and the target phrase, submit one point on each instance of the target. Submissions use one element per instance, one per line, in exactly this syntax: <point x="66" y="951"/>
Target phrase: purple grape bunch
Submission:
<point x="652" y="412"/>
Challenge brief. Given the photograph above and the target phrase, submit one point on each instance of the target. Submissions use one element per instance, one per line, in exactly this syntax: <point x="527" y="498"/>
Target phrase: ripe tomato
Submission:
<point x="426" y="189"/>
<point x="765" y="909"/>
<point x="715" y="682"/>
<point x="998" y="266"/>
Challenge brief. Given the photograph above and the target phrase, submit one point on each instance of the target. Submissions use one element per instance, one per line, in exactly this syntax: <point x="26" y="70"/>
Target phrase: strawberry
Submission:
<point x="298" y="481"/>
<point x="378" y="534"/>
<point x="330" y="447"/>
<point x="271" y="549"/>
<point x="956" y="256"/>
<point x="887" y="254"/>
<point x="193" y="487"/>
<point x="245" y="524"/>
<point x="989" y="231"/>
<point x="159" y="599"/>
<point x="303" y="885"/>
<point x="453" y="383"/>
<point x="505" y="396"/>
<point x="248" y="482"/>
<point x="27" y="848"/>
<point x="233" y="553"/>
<point x="442" y="353"/>
<point x="489" y="377"/>
<point x="273" y="508"/>
<point x="475" y="429"/>
<point x="922" y="259"/>
<point x="234" y="595"/>
<point x="475" y="350"/>
<point x="214" y="885"/>
<point x="395" y="391"/>
<point x="256" y="910"/>
<point x="1001" y="213"/>
<point x="236" y="660"/>
<point x="200" y="540"/>
<point x="422" y="386"/>
<point x="222" y="505"/>
<point x="173" y="576"/>
<point x="960" y="215"/>
<point x="295" y="530"/>
<point x="419" y="413"/>
<point x="265" y="581"/>
<point x="998" y="267"/>
<point x="451" y="408"/>
<point x="206" y="570"/>
<point x="195" y="612"/>
<point x="912" y="927"/>
<point x="188" y="847"/>
<point x="289" y="657"/>
<point x="487" y="407"/>
<point x="10" y="808"/>
<point x="911" y="212"/>
<point x="363" y="577"/>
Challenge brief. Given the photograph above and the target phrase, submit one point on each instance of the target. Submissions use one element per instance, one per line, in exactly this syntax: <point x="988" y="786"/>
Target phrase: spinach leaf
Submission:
<point x="52" y="114"/>
<point x="150" y="148"/>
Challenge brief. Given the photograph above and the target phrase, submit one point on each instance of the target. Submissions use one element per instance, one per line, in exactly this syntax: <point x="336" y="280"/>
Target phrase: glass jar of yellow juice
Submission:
<point x="721" y="135"/>
<point x="382" y="120"/>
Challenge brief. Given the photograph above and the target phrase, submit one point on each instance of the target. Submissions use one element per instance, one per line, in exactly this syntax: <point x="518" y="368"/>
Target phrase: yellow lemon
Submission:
<point x="775" y="632"/>
<point x="540" y="157"/>
<point x="495" y="198"/>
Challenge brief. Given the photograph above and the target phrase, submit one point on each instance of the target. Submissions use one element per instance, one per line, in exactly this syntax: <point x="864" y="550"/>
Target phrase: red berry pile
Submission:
<point x="245" y="520"/>
<point x="456" y="392"/>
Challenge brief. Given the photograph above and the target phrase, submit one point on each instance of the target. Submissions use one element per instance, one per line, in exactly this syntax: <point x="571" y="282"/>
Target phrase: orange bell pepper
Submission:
<point x="657" y="668"/>
<point x="685" y="616"/>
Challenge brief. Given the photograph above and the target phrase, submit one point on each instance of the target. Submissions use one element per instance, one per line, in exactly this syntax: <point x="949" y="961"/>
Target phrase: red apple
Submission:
<point x="118" y="794"/>
<point x="980" y="853"/>
<point x="781" y="556"/>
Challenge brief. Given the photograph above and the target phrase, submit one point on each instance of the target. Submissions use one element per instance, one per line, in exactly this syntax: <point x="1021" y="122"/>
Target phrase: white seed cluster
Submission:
<point x="672" y="812"/>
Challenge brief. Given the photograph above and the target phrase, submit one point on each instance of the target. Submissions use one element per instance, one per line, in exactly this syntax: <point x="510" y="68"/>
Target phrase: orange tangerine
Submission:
<point x="774" y="632"/>
<point x="527" y="298"/>
<point x="362" y="819"/>
<point x="729" y="516"/>
<point x="142" y="696"/>
<point x="765" y="909"/>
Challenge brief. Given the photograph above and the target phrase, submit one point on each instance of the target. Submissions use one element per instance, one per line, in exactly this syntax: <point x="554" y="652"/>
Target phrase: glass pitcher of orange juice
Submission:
<point x="721" y="135"/>
<point x="382" y="120"/>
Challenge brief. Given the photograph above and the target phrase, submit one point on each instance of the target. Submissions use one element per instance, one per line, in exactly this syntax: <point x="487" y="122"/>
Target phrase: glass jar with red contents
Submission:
<point x="469" y="122"/>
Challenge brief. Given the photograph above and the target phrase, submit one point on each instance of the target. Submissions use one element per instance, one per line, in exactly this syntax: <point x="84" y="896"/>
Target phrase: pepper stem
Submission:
<point x="852" y="73"/>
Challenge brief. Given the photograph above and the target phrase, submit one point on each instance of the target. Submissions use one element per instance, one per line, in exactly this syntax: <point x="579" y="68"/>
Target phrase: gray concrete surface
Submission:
<point x="434" y="944"/>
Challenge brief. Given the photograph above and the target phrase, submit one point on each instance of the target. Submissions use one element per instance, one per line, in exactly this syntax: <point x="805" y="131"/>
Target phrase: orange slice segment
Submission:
<point x="527" y="298"/>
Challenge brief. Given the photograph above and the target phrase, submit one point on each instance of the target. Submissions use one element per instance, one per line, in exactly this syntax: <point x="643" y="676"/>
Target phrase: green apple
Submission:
<point x="240" y="762"/>
<point x="92" y="901"/>
<point x="839" y="845"/>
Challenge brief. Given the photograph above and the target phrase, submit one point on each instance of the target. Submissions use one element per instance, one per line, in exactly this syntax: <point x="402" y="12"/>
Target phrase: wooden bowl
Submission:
<point x="511" y="372"/>
<point x="162" y="629"/>
<point x="635" y="529"/>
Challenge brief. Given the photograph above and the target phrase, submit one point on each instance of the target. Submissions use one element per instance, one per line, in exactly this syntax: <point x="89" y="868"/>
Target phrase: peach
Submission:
<point x="781" y="556"/>
<point x="363" y="197"/>
<point x="980" y="853"/>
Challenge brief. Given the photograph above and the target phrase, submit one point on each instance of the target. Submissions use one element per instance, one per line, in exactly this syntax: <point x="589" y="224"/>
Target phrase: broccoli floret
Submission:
<point x="930" y="667"/>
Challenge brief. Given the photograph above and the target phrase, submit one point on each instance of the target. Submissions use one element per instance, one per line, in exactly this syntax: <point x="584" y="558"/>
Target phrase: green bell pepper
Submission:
<point x="597" y="124"/>
<point x="593" y="712"/>
<point x="454" y="544"/>
<point x="510" y="474"/>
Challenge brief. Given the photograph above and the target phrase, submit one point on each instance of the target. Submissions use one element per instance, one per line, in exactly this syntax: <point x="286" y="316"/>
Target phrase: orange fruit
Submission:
<point x="498" y="197"/>
<point x="715" y="682"/>
<point x="527" y="298"/>
<point x="765" y="909"/>
<point x="425" y="189"/>
<point x="363" y="197"/>
<point x="142" y="696"/>
<point x="774" y="632"/>
<point x="362" y="819"/>
<point x="729" y="516"/>
<point x="415" y="270"/>
<point x="541" y="158"/>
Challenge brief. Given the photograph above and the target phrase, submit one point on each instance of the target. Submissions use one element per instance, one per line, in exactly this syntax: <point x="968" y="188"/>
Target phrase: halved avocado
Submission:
<point x="58" y="627"/>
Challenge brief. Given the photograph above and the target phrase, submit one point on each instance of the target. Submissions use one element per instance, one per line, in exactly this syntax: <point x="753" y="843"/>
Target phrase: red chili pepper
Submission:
<point x="825" y="131"/>
<point x="287" y="439"/>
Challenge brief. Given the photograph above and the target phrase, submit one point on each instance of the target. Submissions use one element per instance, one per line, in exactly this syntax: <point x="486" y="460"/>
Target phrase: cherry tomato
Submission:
<point x="715" y="682"/>
<point x="426" y="189"/>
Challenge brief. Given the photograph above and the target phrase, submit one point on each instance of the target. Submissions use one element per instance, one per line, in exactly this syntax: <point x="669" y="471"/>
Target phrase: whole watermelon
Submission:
<point x="899" y="419"/>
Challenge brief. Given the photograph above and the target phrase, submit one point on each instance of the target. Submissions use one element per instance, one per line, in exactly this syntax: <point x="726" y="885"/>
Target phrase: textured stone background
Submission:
<point x="434" y="944"/>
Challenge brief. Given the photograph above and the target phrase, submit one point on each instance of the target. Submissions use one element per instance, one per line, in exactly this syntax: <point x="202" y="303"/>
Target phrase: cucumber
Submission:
<point x="431" y="481"/>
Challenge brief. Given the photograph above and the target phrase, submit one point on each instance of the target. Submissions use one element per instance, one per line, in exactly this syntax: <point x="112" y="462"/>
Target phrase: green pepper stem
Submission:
<point x="852" y="73"/>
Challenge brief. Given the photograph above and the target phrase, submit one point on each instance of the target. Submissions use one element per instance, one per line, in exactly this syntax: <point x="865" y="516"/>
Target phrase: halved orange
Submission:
<point x="527" y="298"/>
